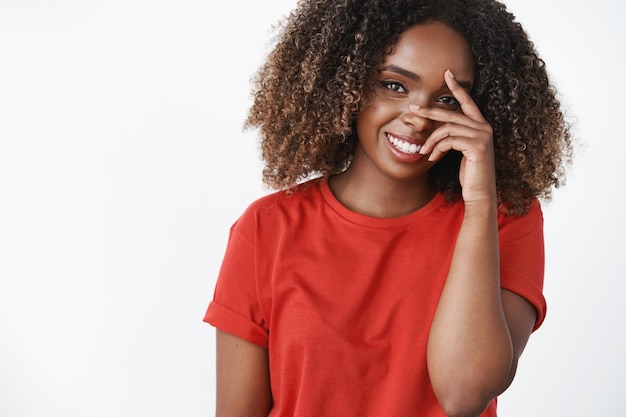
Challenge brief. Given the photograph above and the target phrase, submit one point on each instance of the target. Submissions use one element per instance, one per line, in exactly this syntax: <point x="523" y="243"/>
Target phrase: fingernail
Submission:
<point x="414" y="107"/>
<point x="449" y="73"/>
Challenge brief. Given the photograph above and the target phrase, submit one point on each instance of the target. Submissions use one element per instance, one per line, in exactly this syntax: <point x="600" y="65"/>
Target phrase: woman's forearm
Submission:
<point x="469" y="350"/>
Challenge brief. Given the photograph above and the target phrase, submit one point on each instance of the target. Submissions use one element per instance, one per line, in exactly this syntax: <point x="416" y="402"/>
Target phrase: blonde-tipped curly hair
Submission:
<point x="313" y="84"/>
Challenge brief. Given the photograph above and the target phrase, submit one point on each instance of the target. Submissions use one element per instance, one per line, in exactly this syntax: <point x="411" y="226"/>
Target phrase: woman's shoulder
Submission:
<point x="283" y="202"/>
<point x="534" y="213"/>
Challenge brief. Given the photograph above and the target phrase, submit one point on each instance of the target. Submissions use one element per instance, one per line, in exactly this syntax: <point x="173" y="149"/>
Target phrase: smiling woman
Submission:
<point x="419" y="280"/>
<point x="391" y="132"/>
<point x="123" y="164"/>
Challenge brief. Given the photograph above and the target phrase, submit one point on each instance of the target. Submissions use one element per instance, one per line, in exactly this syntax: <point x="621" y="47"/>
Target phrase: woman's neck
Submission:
<point x="378" y="196"/>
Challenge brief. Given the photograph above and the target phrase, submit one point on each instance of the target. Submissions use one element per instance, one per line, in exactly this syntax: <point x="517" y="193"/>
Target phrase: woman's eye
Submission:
<point x="448" y="101"/>
<point x="394" y="86"/>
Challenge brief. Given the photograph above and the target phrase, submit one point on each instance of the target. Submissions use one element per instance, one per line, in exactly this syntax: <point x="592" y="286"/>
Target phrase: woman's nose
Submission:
<point x="417" y="123"/>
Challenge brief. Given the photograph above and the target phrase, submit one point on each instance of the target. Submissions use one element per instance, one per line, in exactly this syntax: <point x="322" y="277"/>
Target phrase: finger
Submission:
<point x="442" y="147"/>
<point x="475" y="151"/>
<point x="453" y="129"/>
<point x="468" y="106"/>
<point x="445" y="116"/>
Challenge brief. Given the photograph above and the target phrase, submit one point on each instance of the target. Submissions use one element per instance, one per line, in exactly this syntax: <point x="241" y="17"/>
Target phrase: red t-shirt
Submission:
<point x="344" y="302"/>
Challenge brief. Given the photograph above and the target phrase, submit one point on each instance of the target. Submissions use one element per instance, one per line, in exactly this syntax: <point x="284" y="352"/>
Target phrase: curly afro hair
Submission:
<point x="314" y="82"/>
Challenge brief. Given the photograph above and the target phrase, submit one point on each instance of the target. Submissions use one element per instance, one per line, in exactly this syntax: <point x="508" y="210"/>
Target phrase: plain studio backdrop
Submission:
<point x="123" y="164"/>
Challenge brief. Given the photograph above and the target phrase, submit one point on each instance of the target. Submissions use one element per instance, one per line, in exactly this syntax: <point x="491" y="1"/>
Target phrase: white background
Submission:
<point x="123" y="164"/>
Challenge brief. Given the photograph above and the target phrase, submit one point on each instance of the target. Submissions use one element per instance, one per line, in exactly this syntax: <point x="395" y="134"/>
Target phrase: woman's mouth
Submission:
<point x="403" y="146"/>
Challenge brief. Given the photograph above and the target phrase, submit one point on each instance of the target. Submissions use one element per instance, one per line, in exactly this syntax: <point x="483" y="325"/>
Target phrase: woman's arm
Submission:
<point x="243" y="385"/>
<point x="479" y="330"/>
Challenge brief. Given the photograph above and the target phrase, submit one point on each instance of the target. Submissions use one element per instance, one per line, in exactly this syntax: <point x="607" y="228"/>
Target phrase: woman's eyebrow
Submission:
<point x="402" y="71"/>
<point x="466" y="85"/>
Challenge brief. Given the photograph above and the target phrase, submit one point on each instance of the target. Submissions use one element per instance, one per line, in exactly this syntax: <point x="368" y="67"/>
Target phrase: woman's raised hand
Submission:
<point x="469" y="133"/>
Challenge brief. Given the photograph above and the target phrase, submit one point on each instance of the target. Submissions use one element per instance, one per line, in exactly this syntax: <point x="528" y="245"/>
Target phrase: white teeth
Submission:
<point x="404" y="146"/>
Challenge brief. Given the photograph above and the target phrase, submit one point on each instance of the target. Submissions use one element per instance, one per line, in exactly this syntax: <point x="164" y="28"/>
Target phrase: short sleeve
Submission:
<point x="522" y="258"/>
<point x="235" y="306"/>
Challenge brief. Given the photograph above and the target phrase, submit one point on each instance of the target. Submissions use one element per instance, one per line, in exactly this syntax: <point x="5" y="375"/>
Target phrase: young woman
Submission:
<point x="399" y="269"/>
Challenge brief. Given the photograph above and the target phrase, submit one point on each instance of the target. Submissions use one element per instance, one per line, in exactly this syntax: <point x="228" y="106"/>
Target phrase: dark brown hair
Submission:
<point x="308" y="92"/>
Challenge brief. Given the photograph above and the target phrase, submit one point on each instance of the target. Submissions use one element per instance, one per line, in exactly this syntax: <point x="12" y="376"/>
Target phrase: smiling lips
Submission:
<point x="404" y="146"/>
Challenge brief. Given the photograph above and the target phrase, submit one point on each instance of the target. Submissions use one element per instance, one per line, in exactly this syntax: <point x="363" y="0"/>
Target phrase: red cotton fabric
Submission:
<point x="344" y="302"/>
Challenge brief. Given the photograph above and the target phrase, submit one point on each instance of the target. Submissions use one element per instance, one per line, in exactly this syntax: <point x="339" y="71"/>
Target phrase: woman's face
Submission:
<point x="390" y="135"/>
